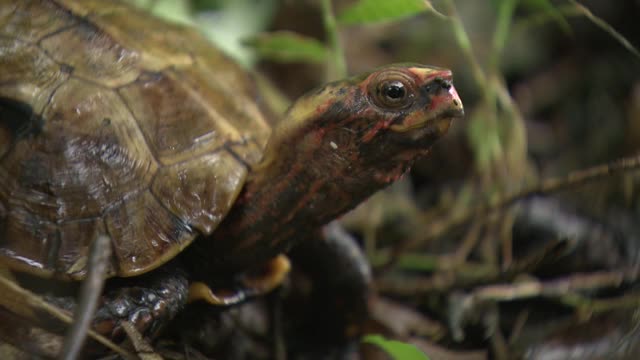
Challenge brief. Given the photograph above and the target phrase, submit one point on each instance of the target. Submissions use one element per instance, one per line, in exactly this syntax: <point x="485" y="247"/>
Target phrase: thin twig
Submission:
<point x="144" y="350"/>
<point x="464" y="43"/>
<point x="465" y="275"/>
<point x="99" y="256"/>
<point x="554" y="288"/>
<point x="36" y="302"/>
<point x="606" y="27"/>
<point x="566" y="289"/>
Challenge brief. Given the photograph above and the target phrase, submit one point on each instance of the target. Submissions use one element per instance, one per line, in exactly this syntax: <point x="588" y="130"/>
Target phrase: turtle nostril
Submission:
<point x="445" y="84"/>
<point x="438" y="84"/>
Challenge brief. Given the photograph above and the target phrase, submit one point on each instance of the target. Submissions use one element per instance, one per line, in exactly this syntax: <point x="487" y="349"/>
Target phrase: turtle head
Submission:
<point x="376" y="123"/>
<point x="359" y="134"/>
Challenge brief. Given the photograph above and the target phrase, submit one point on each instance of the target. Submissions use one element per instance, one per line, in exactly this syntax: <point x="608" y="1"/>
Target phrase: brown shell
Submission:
<point x="113" y="121"/>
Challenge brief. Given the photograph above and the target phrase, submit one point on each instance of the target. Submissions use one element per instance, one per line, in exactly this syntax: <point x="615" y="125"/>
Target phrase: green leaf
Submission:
<point x="176" y="11"/>
<point x="228" y="23"/>
<point x="285" y="46"/>
<point x="398" y="350"/>
<point x="369" y="11"/>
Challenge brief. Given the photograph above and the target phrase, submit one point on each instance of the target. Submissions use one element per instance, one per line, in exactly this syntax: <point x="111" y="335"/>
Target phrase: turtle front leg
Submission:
<point x="148" y="302"/>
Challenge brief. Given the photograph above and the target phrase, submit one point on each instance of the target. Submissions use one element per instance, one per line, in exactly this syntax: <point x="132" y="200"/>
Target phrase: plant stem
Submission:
<point x="501" y="34"/>
<point x="606" y="27"/>
<point x="465" y="44"/>
<point x="337" y="66"/>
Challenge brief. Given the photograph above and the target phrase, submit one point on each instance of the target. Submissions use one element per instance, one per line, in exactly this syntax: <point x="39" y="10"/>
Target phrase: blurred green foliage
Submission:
<point x="369" y="11"/>
<point x="228" y="23"/>
<point x="285" y="46"/>
<point x="175" y="10"/>
<point x="398" y="350"/>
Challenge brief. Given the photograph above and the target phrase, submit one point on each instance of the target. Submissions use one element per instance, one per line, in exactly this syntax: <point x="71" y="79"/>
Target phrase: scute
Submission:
<point x="139" y="129"/>
<point x="27" y="241"/>
<point x="31" y="20"/>
<point x="105" y="62"/>
<point x="33" y="76"/>
<point x="159" y="43"/>
<point x="73" y="250"/>
<point x="176" y="131"/>
<point x="210" y="82"/>
<point x="202" y="189"/>
<point x="145" y="234"/>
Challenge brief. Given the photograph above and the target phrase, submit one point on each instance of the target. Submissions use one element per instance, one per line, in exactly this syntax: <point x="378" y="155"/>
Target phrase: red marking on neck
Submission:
<point x="369" y="135"/>
<point x="305" y="200"/>
<point x="318" y="135"/>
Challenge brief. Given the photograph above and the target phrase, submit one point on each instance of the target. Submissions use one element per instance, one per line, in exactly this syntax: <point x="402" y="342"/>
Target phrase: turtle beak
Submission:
<point x="442" y="103"/>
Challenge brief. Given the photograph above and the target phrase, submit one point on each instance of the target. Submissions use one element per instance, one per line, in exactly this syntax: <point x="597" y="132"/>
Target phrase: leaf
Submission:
<point x="228" y="23"/>
<point x="398" y="350"/>
<point x="369" y="11"/>
<point x="285" y="46"/>
<point x="176" y="11"/>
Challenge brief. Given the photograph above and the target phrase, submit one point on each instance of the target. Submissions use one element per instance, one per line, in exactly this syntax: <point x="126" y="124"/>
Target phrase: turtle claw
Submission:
<point x="199" y="291"/>
<point x="255" y="282"/>
<point x="268" y="276"/>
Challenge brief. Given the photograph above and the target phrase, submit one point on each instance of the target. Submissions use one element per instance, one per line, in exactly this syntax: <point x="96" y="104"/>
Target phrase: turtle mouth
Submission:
<point x="443" y="118"/>
<point x="429" y="130"/>
<point x="438" y="113"/>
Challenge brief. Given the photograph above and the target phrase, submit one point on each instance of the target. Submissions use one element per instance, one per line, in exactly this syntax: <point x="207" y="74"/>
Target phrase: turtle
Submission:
<point x="116" y="123"/>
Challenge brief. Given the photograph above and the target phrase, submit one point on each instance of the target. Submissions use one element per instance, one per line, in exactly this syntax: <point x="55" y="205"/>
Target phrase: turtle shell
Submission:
<point x="116" y="122"/>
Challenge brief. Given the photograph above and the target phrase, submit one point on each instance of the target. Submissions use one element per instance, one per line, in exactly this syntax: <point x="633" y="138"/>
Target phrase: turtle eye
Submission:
<point x="392" y="94"/>
<point x="393" y="91"/>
